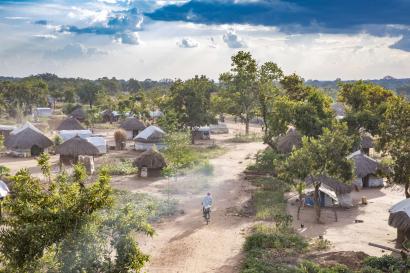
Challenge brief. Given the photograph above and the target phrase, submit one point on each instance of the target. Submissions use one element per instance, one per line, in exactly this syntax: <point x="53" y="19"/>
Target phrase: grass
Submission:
<point x="206" y="153"/>
<point x="246" y="138"/>
<point x="120" y="167"/>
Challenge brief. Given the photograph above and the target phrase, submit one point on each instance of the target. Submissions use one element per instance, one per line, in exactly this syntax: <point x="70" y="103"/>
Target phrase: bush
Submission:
<point x="386" y="263"/>
<point x="70" y="107"/>
<point x="320" y="244"/>
<point x="310" y="267"/>
<point x="267" y="160"/>
<point x="122" y="167"/>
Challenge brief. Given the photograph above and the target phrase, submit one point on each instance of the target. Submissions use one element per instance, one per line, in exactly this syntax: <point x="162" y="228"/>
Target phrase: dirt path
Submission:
<point x="185" y="243"/>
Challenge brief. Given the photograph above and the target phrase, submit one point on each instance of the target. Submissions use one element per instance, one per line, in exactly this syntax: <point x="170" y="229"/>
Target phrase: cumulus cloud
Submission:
<point x="233" y="40"/>
<point x="188" y="43"/>
<point x="129" y="38"/>
<point x="74" y="51"/>
<point x="45" y="36"/>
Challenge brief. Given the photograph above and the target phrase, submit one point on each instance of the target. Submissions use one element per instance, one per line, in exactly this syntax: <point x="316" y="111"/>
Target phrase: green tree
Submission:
<point x="44" y="162"/>
<point x="88" y="92"/>
<point x="240" y="86"/>
<point x="322" y="156"/>
<point x="395" y="139"/>
<point x="191" y="101"/>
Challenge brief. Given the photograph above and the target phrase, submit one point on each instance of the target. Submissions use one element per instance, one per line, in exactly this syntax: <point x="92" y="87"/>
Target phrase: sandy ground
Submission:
<point x="346" y="235"/>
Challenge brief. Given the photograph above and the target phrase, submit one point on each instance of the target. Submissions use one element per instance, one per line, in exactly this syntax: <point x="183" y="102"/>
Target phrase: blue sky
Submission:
<point x="318" y="39"/>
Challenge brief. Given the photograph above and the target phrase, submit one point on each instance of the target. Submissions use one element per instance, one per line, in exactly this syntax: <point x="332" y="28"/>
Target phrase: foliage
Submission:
<point x="4" y="171"/>
<point x="310" y="267"/>
<point x="319" y="244"/>
<point x="395" y="139"/>
<point x="1" y="142"/>
<point x="44" y="162"/>
<point x="88" y="92"/>
<point x="57" y="140"/>
<point x="386" y="263"/>
<point x="120" y="167"/>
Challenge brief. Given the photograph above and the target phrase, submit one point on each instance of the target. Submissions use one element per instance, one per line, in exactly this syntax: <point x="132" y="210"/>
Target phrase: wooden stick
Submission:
<point x="390" y="249"/>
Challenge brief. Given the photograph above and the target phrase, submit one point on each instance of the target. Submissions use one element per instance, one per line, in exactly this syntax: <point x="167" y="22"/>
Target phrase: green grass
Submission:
<point x="119" y="167"/>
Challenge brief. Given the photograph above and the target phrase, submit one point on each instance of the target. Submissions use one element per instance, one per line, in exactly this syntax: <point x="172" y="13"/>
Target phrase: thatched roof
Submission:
<point x="286" y="142"/>
<point x="330" y="183"/>
<point x="366" y="141"/>
<point x="77" y="146"/>
<point x="79" y="114"/>
<point x="70" y="124"/>
<point x="132" y="124"/>
<point x="150" y="159"/>
<point x="151" y="134"/>
<point x="400" y="215"/>
<point x="364" y="165"/>
<point x="26" y="137"/>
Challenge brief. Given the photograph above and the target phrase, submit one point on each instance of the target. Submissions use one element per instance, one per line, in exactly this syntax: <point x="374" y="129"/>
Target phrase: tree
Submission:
<point x="395" y="139"/>
<point x="294" y="87"/>
<point x="322" y="156"/>
<point x="240" y="86"/>
<point x="88" y="92"/>
<point x="44" y="162"/>
<point x="191" y="101"/>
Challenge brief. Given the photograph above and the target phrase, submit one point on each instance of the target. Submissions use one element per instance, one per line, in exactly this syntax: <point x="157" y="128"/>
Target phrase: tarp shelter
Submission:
<point x="149" y="137"/>
<point x="4" y="190"/>
<point x="67" y="134"/>
<point x="43" y="112"/>
<point x="27" y="140"/>
<point x="365" y="169"/>
<point x="400" y="218"/>
<point x="132" y="126"/>
<point x="202" y="133"/>
<point x="330" y="189"/>
<point x="219" y="128"/>
<point x="99" y="142"/>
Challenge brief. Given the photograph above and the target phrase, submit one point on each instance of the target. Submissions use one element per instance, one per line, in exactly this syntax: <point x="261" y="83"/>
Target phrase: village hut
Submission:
<point x="132" y="126"/>
<point x="202" y="133"/>
<point x="27" y="140"/>
<point x="399" y="218"/>
<point x="109" y="116"/>
<point x="366" y="142"/>
<point x="150" y="163"/>
<point x="219" y="128"/>
<point x="72" y="149"/>
<point x="70" y="124"/>
<point x="286" y="143"/>
<point x="149" y="137"/>
<point x="79" y="114"/>
<point x="339" y="110"/>
<point x="365" y="169"/>
<point x="5" y="130"/>
<point x="331" y="192"/>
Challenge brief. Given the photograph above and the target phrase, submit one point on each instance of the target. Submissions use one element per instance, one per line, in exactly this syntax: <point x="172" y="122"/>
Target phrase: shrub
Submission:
<point x="122" y="167"/>
<point x="120" y="137"/>
<point x="386" y="263"/>
<point x="320" y="244"/>
<point x="310" y="267"/>
<point x="57" y="140"/>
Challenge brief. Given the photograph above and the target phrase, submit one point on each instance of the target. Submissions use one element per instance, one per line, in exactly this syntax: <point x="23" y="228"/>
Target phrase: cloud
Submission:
<point x="74" y="51"/>
<point x="129" y="38"/>
<point x="233" y="40"/>
<point x="41" y="22"/>
<point x="187" y="43"/>
<point x="45" y="36"/>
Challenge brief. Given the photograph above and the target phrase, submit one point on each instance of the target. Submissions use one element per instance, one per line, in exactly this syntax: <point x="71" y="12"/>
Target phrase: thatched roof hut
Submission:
<point x="70" y="124"/>
<point x="151" y="162"/>
<point x="291" y="139"/>
<point x="132" y="124"/>
<point x="151" y="134"/>
<point x="77" y="146"/>
<point x="330" y="183"/>
<point x="79" y="114"/>
<point x="364" y="165"/>
<point x="150" y="159"/>
<point x="366" y="141"/>
<point x="400" y="215"/>
<point x="26" y="137"/>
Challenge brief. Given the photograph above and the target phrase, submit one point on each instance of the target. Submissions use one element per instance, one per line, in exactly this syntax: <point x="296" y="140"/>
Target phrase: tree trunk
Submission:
<point x="300" y="206"/>
<point x="247" y="126"/>
<point x="406" y="189"/>
<point x="317" y="204"/>
<point x="192" y="137"/>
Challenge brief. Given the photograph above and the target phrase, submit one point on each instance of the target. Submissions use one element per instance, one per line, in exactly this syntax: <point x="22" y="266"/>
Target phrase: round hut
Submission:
<point x="27" y="140"/>
<point x="72" y="149"/>
<point x="287" y="142"/>
<point x="149" y="137"/>
<point x="399" y="218"/>
<point x="366" y="142"/>
<point x="150" y="162"/>
<point x="70" y="124"/>
<point x="132" y="126"/>
<point x="365" y="168"/>
<point x="79" y="114"/>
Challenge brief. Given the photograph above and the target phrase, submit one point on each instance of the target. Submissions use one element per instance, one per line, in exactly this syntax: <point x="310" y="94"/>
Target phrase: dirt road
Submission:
<point x="185" y="243"/>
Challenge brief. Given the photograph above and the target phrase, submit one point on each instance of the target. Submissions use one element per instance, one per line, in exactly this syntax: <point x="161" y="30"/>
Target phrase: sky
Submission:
<point x="157" y="39"/>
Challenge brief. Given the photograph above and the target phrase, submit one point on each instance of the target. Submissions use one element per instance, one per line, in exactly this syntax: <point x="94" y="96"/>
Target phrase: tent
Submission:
<point x="98" y="142"/>
<point x="152" y="161"/>
<point x="219" y="128"/>
<point x="399" y="218"/>
<point x="67" y="134"/>
<point x="132" y="126"/>
<point x="27" y="140"/>
<point x="149" y="137"/>
<point x="202" y="133"/>
<point x="70" y="124"/>
<point x="365" y="170"/>
<point x="43" y="112"/>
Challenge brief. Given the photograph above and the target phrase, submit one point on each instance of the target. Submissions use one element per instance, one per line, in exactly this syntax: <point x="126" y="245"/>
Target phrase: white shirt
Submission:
<point x="207" y="202"/>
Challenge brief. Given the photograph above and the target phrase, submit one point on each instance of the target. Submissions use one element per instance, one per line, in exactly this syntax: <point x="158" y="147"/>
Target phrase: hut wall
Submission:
<point x="130" y="135"/>
<point x="374" y="182"/>
<point x="402" y="235"/>
<point x="154" y="172"/>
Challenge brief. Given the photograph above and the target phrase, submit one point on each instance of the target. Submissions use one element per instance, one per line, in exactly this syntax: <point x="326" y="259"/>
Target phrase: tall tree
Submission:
<point x="322" y="156"/>
<point x="240" y="86"/>
<point x="191" y="100"/>
<point x="395" y="139"/>
<point x="88" y="92"/>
